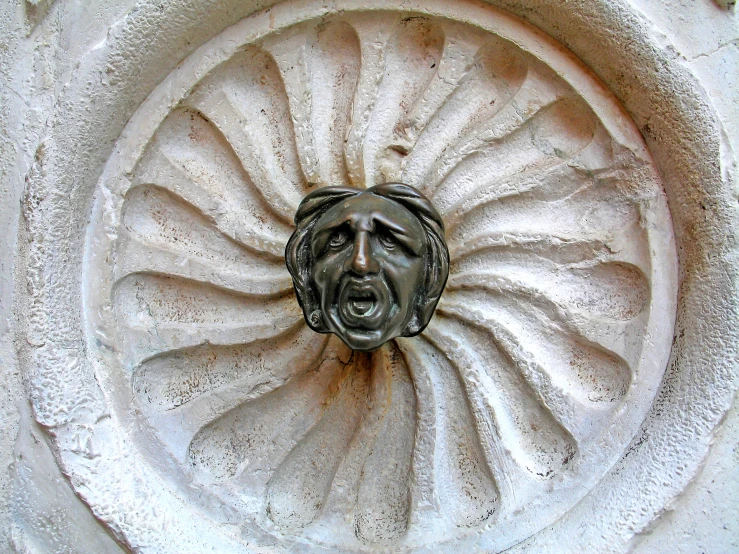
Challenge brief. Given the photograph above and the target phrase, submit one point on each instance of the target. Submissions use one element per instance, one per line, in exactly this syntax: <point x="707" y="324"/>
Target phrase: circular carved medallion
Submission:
<point x="546" y="348"/>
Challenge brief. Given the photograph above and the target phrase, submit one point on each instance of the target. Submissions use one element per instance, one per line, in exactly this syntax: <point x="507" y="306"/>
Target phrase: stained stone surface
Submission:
<point x="536" y="371"/>
<point x="580" y="358"/>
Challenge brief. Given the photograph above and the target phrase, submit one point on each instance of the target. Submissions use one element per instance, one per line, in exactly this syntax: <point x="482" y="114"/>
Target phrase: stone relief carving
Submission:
<point x="547" y="345"/>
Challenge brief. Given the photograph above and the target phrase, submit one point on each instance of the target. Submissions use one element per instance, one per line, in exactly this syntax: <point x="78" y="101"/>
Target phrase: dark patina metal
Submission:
<point x="368" y="265"/>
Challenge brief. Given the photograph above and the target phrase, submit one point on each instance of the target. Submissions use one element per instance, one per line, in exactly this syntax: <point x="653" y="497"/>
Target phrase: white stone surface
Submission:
<point x="562" y="264"/>
<point x="64" y="60"/>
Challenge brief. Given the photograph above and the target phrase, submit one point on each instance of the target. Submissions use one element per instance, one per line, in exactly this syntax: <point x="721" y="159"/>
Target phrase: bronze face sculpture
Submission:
<point x="368" y="265"/>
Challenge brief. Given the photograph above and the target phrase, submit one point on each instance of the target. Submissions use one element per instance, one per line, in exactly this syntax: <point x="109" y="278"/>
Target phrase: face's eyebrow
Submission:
<point x="408" y="239"/>
<point x="332" y="224"/>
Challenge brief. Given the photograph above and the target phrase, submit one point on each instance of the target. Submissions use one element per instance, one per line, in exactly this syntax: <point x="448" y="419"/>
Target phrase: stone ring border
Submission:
<point x="683" y="135"/>
<point x="133" y="141"/>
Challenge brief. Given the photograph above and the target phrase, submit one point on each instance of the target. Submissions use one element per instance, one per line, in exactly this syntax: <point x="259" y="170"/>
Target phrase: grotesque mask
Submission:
<point x="368" y="265"/>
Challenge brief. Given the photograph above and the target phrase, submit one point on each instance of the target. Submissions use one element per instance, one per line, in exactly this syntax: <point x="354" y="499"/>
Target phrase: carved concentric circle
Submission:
<point x="547" y="347"/>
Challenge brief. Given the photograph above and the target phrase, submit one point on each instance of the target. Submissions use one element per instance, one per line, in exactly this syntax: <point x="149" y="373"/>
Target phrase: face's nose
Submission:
<point x="362" y="262"/>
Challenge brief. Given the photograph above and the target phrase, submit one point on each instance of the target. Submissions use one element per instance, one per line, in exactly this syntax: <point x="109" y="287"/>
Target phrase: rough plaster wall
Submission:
<point x="11" y="160"/>
<point x="706" y="39"/>
<point x="40" y="512"/>
<point x="47" y="516"/>
<point x="705" y="518"/>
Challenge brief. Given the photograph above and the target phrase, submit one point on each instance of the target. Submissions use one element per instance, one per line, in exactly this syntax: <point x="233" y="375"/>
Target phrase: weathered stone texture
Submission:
<point x="159" y="391"/>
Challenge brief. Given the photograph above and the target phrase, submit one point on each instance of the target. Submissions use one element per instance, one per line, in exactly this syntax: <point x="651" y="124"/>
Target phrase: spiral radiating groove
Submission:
<point x="518" y="371"/>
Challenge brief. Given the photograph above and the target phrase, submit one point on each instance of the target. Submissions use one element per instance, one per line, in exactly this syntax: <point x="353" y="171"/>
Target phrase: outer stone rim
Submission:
<point x="707" y="301"/>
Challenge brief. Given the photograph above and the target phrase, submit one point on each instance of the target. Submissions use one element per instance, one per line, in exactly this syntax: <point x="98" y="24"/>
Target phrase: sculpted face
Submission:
<point x="368" y="265"/>
<point x="369" y="256"/>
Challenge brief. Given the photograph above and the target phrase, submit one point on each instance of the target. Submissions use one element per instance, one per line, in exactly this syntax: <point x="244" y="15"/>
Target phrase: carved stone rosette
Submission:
<point x="547" y="346"/>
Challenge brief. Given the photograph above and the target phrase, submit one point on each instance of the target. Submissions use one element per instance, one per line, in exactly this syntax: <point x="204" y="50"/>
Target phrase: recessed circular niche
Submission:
<point x="547" y="346"/>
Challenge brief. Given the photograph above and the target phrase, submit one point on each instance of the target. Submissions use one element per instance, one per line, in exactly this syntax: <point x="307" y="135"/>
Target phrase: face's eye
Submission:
<point x="388" y="240"/>
<point x="338" y="239"/>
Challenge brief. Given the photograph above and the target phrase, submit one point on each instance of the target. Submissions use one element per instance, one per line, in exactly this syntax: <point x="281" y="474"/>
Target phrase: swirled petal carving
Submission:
<point x="530" y="380"/>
